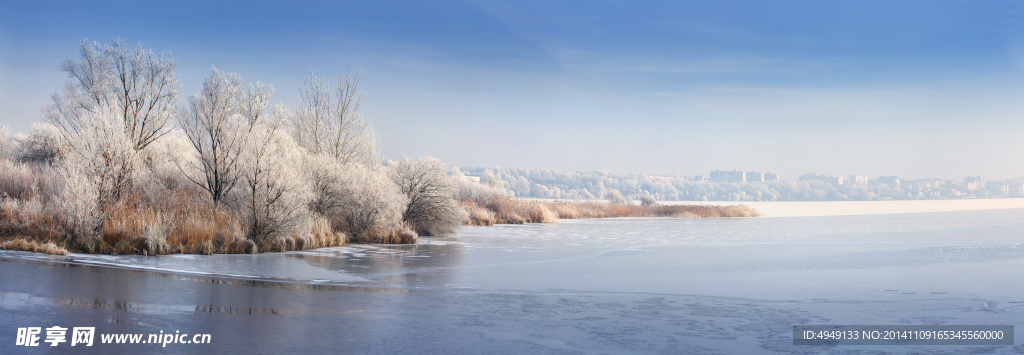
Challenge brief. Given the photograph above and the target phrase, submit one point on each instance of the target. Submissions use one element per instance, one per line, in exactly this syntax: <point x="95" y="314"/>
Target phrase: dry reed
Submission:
<point x="387" y="236"/>
<point x="20" y="243"/>
<point x="508" y="210"/>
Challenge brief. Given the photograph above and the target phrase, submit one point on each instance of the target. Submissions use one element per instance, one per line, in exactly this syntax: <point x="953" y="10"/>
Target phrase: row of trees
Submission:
<point x="553" y="184"/>
<point x="119" y="121"/>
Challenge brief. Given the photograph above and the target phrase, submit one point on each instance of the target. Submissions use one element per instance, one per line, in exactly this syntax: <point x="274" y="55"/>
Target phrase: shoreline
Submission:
<point x="857" y="208"/>
<point x="847" y="208"/>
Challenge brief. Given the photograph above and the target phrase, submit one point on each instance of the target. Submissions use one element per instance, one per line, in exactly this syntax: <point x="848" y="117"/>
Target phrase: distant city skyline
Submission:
<point x="918" y="89"/>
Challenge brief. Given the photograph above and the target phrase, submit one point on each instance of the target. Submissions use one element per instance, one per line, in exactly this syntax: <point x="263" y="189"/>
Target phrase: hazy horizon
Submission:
<point x="914" y="89"/>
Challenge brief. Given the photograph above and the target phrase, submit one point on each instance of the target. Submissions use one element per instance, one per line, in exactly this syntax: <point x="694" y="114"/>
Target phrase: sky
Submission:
<point x="918" y="89"/>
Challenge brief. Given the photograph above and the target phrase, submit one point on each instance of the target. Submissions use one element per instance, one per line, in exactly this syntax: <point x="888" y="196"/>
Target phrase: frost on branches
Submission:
<point x="431" y="208"/>
<point x="101" y="164"/>
<point x="139" y="87"/>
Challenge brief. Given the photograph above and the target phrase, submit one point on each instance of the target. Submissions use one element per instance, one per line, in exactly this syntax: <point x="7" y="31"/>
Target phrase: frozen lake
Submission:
<point x="853" y="208"/>
<point x="580" y="286"/>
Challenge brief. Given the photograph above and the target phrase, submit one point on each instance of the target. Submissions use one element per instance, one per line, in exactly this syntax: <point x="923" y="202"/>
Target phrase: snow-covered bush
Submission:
<point x="323" y="174"/>
<point x="101" y="163"/>
<point x="168" y="157"/>
<point x="479" y="193"/>
<point x="274" y="194"/>
<point x="78" y="203"/>
<point x="615" y="197"/>
<point x="431" y="208"/>
<point x="367" y="201"/>
<point x="7" y="143"/>
<point x="42" y="144"/>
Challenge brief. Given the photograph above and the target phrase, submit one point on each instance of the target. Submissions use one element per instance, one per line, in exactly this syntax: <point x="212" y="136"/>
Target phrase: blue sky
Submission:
<point x="910" y="88"/>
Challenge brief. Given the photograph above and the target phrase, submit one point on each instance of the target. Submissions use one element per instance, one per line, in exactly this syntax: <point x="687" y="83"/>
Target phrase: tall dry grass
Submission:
<point x="387" y="236"/>
<point x="154" y="217"/>
<point x="21" y="243"/>
<point x="508" y="210"/>
<point x="183" y="221"/>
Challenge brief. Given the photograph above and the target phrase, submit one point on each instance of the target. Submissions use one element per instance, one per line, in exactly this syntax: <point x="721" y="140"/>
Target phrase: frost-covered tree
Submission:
<point x="218" y="123"/>
<point x="165" y="158"/>
<point x="324" y="175"/>
<point x="648" y="200"/>
<point x="614" y="196"/>
<point x="7" y="143"/>
<point x="492" y="180"/>
<point x="466" y="190"/>
<point x="368" y="200"/>
<point x="274" y="193"/>
<point x="354" y="197"/>
<point x="174" y="149"/>
<point x="139" y="87"/>
<point x="431" y="208"/>
<point x="78" y="202"/>
<point x="101" y="165"/>
<point x="42" y="144"/>
<point x="331" y="123"/>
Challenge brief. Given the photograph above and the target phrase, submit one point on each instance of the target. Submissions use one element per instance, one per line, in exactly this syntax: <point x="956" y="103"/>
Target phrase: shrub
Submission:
<point x="648" y="200"/>
<point x="42" y="144"/>
<point x="274" y="195"/>
<point x="100" y="166"/>
<point x="615" y="197"/>
<point x="431" y="208"/>
<point x="367" y="201"/>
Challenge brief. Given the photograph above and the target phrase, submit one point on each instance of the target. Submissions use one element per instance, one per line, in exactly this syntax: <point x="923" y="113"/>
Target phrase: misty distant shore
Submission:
<point x="854" y="208"/>
<point x="850" y="208"/>
<point x="591" y="185"/>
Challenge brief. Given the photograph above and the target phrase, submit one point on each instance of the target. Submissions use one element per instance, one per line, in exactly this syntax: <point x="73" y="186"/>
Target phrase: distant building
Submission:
<point x="738" y="177"/>
<point x="475" y="179"/>
<point x="831" y="179"/>
<point x="974" y="183"/>
<point x="697" y="178"/>
<point x="734" y="176"/>
<point x="892" y="181"/>
<point x="1017" y="190"/>
<point x="857" y="180"/>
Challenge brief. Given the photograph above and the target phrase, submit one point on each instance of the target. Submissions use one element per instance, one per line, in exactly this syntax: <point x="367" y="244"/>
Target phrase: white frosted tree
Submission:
<point x="274" y="193"/>
<point x="101" y="164"/>
<point x="331" y="123"/>
<point x="218" y="124"/>
<point x="368" y="200"/>
<point x="6" y="143"/>
<point x="164" y="160"/>
<point x="431" y="208"/>
<point x="42" y="144"/>
<point x="615" y="197"/>
<point x="139" y="87"/>
<point x="324" y="175"/>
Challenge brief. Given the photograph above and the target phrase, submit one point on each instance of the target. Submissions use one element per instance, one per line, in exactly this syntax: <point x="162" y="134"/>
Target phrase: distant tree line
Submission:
<point x="590" y="185"/>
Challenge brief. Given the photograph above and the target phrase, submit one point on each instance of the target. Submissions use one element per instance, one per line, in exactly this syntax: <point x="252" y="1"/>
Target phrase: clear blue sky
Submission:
<point x="911" y="88"/>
